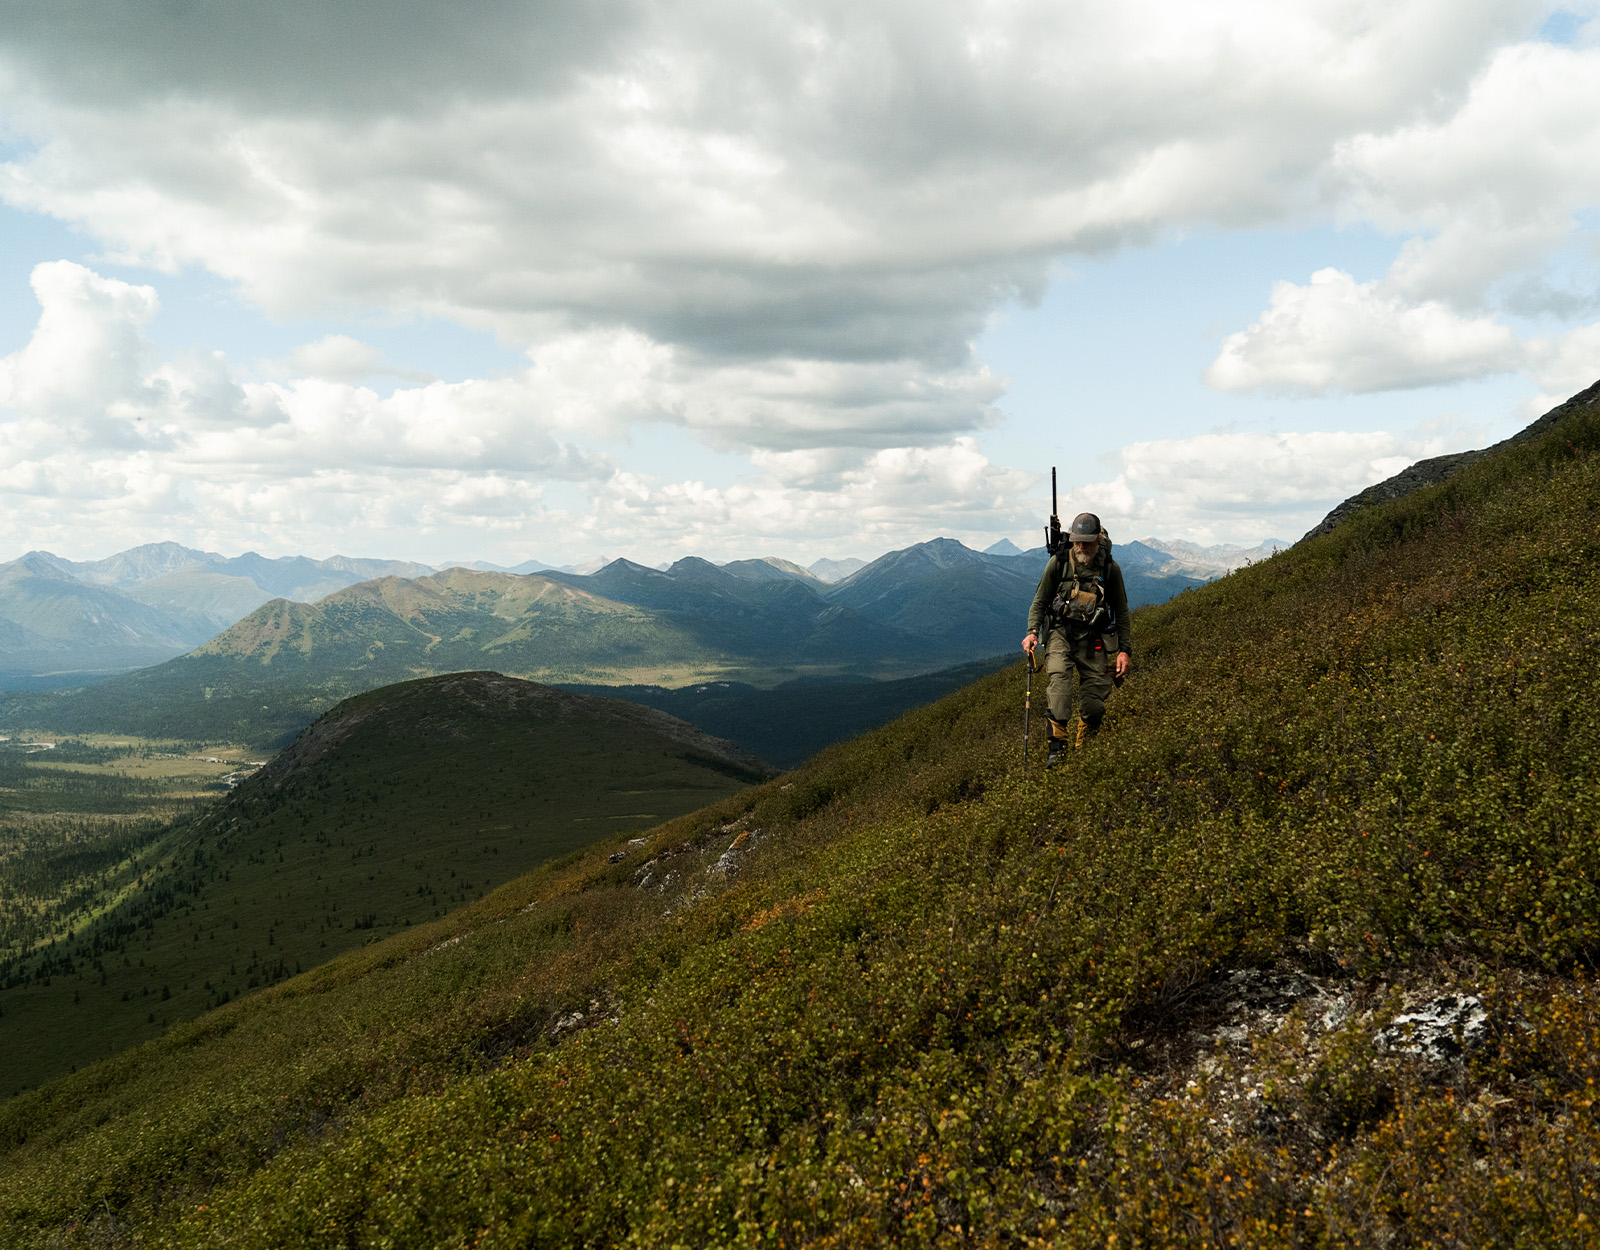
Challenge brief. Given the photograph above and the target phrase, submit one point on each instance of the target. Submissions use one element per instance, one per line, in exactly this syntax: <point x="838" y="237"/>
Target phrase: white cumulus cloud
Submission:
<point x="88" y="355"/>
<point x="1225" y="487"/>
<point x="341" y="358"/>
<point x="1337" y="334"/>
<point x="796" y="188"/>
<point x="185" y="445"/>
<point x="779" y="227"/>
<point x="1489" y="188"/>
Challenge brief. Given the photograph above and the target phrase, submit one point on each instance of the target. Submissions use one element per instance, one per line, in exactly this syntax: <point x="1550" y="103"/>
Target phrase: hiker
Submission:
<point x="1080" y="603"/>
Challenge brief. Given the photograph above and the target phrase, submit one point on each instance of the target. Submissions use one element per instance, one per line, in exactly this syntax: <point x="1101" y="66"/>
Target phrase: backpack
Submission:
<point x="1081" y="599"/>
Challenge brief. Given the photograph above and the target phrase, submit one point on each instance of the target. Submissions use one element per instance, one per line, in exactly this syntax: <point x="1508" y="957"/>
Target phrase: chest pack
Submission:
<point x="1081" y="599"/>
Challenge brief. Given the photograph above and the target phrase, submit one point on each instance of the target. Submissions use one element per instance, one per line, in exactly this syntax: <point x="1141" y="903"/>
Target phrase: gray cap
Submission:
<point x="1085" y="528"/>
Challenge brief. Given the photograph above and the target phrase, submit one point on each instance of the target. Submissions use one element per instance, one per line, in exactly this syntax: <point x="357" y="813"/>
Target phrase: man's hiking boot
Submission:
<point x="1057" y="750"/>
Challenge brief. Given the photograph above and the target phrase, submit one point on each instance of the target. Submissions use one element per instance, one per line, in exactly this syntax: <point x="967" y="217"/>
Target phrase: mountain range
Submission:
<point x="73" y="618"/>
<point x="929" y="607"/>
<point x="64" y="620"/>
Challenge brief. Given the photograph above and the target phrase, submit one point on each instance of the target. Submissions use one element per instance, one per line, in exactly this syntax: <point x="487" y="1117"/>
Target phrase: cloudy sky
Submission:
<point x="496" y="280"/>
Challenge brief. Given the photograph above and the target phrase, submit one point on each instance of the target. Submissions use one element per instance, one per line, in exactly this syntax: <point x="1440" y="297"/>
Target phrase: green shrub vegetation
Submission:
<point x="906" y="994"/>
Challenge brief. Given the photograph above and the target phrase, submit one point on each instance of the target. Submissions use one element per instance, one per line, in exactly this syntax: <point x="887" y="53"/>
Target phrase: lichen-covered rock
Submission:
<point x="1441" y="1031"/>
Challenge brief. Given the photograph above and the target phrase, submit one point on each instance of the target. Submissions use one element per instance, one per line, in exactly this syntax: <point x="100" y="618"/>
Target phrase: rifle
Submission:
<point x="1054" y="541"/>
<point x="1052" y="532"/>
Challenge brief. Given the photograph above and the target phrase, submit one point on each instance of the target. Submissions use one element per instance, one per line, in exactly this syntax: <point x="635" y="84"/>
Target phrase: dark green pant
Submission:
<point x="1085" y="655"/>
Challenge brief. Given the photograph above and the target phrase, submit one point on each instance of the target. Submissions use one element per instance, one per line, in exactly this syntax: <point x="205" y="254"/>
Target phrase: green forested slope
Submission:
<point x="905" y="994"/>
<point x="396" y="807"/>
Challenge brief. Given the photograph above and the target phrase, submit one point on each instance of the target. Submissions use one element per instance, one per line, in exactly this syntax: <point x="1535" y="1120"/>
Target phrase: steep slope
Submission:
<point x="393" y="807"/>
<point x="907" y="995"/>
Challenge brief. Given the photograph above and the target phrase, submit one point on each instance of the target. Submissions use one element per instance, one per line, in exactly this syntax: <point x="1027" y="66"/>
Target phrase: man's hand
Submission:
<point x="1124" y="663"/>
<point x="1030" y="642"/>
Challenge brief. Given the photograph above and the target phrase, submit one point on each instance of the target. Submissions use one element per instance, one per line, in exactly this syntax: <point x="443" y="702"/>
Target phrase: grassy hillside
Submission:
<point x="398" y="806"/>
<point x="904" y="994"/>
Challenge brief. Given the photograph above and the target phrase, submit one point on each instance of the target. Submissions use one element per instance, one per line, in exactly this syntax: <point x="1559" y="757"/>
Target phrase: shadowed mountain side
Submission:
<point x="791" y="723"/>
<point x="1148" y="576"/>
<point x="22" y="646"/>
<point x="751" y="608"/>
<point x="456" y="706"/>
<point x="936" y="604"/>
<point x="943" y="591"/>
<point x="397" y="805"/>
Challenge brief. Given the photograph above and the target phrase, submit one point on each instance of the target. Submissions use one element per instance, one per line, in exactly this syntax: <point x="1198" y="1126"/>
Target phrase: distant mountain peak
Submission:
<point x="41" y="564"/>
<point x="1005" y="547"/>
<point x="1208" y="561"/>
<point x="624" y="565"/>
<point x="769" y="569"/>
<point x="826" y="570"/>
<point x="942" y="552"/>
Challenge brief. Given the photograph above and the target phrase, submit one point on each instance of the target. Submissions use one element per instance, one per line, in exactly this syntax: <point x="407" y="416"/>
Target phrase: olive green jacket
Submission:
<point x="1116" y="593"/>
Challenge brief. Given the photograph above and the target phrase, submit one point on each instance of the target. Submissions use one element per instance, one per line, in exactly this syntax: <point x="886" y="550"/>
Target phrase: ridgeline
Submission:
<point x="1176" y="993"/>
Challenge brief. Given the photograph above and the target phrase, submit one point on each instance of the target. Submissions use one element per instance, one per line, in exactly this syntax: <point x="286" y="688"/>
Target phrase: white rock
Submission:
<point x="1439" y="1031"/>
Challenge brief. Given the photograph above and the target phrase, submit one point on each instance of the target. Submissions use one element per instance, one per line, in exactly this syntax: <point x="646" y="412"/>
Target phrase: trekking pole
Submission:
<point x="1027" y="714"/>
